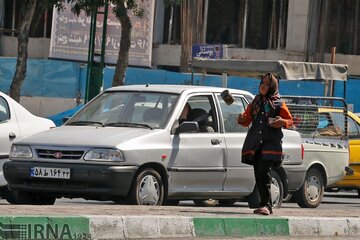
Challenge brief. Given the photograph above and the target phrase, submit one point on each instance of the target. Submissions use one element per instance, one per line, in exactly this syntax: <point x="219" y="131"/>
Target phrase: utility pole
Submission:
<point x="96" y="60"/>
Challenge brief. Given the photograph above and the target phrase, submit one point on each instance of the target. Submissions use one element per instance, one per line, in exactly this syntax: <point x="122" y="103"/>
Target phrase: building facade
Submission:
<point x="298" y="30"/>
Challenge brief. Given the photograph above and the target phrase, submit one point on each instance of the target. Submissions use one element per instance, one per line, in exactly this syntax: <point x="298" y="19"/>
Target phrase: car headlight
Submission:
<point x="20" y="151"/>
<point x="99" y="154"/>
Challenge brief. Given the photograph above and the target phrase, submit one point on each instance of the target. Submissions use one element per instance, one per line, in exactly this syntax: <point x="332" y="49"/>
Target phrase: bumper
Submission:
<point x="350" y="181"/>
<point x="3" y="159"/>
<point x="295" y="175"/>
<point x="86" y="180"/>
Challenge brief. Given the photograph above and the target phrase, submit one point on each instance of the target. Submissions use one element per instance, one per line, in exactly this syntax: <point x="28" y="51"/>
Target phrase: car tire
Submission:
<point x="147" y="188"/>
<point x="277" y="190"/>
<point x="358" y="191"/>
<point x="312" y="191"/>
<point x="287" y="198"/>
<point x="277" y="193"/>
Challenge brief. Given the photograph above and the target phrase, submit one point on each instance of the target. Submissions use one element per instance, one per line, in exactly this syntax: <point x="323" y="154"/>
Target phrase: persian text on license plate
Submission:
<point x="42" y="172"/>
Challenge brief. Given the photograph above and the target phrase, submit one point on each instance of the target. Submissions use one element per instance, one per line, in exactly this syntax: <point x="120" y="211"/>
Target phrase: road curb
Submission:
<point x="157" y="227"/>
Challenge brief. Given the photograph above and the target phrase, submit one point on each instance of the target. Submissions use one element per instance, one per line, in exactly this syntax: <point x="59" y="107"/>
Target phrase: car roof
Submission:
<point x="175" y="89"/>
<point x="337" y="110"/>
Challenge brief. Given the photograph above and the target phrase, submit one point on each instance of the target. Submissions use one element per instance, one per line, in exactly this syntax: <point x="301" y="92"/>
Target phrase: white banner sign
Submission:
<point x="70" y="36"/>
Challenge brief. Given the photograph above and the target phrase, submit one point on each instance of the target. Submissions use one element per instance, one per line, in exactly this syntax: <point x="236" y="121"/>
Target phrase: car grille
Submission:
<point x="59" y="154"/>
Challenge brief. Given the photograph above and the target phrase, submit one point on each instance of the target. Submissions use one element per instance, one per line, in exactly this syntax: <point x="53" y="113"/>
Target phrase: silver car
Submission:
<point x="129" y="145"/>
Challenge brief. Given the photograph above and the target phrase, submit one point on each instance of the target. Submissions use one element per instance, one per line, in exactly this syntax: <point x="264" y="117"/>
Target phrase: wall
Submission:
<point x="49" y="87"/>
<point x="297" y="25"/>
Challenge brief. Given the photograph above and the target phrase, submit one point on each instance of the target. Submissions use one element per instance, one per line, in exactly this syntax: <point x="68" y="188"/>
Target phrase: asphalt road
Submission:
<point x="342" y="204"/>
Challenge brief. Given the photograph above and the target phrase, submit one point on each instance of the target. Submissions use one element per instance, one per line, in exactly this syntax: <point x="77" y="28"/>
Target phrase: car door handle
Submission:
<point x="215" y="141"/>
<point x="12" y="135"/>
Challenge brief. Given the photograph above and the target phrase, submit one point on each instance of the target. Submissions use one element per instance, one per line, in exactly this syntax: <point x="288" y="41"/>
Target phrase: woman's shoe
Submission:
<point x="263" y="211"/>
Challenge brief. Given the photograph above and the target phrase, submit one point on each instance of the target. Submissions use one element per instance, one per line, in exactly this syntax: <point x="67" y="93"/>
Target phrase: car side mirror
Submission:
<point x="188" y="127"/>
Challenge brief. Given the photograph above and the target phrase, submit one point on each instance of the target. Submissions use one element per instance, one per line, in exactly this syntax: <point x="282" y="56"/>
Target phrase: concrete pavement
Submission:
<point x="175" y="226"/>
<point x="81" y="219"/>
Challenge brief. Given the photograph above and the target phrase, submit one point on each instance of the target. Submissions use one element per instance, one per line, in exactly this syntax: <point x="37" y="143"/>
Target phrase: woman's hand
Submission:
<point x="278" y="122"/>
<point x="241" y="118"/>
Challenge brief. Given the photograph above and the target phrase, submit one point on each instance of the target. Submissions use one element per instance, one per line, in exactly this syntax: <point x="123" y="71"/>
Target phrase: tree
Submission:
<point x="192" y="24"/>
<point x="120" y="8"/>
<point x="30" y="10"/>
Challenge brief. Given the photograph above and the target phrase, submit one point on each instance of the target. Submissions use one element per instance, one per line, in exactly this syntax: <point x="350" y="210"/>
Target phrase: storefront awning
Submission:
<point x="288" y="70"/>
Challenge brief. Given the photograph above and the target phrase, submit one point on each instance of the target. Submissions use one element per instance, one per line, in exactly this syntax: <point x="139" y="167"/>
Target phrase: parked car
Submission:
<point x="15" y="123"/>
<point x="325" y="142"/>
<point x="128" y="145"/>
<point x="351" y="182"/>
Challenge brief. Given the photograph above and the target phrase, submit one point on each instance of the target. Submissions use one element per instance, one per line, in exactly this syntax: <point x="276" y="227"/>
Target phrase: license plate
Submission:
<point x="42" y="172"/>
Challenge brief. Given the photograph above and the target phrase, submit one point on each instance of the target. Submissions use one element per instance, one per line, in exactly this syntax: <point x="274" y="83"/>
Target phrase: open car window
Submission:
<point x="231" y="112"/>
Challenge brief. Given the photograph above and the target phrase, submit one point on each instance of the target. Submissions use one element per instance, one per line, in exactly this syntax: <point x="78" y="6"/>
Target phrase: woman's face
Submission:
<point x="264" y="85"/>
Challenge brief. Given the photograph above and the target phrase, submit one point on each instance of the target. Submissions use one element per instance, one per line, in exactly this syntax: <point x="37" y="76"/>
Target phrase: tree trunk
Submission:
<point x="191" y="30"/>
<point x="23" y="39"/>
<point x="123" y="57"/>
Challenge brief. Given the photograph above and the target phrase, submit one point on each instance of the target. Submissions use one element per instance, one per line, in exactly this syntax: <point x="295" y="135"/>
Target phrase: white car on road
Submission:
<point x="15" y="122"/>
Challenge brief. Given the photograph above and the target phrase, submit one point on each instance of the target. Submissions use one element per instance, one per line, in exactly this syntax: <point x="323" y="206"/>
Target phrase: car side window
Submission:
<point x="353" y="128"/>
<point x="202" y="110"/>
<point x="4" y="110"/>
<point x="230" y="114"/>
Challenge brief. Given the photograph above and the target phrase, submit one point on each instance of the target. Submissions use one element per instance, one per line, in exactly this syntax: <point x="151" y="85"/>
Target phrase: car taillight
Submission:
<point x="302" y="151"/>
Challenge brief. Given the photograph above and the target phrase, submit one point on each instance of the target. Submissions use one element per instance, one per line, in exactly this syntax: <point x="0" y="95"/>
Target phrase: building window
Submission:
<point x="342" y="27"/>
<point x="40" y="27"/>
<point x="259" y="24"/>
<point x="172" y="24"/>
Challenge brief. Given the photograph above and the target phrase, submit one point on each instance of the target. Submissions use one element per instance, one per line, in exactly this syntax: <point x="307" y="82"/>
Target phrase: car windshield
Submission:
<point x="127" y="109"/>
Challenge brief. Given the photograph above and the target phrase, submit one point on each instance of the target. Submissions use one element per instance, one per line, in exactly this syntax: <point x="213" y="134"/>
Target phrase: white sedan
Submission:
<point x="15" y="122"/>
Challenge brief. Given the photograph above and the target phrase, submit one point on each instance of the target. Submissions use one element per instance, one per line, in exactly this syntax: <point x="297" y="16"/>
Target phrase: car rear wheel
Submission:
<point x="312" y="191"/>
<point x="358" y="191"/>
<point x="147" y="188"/>
<point x="277" y="190"/>
<point x="277" y="193"/>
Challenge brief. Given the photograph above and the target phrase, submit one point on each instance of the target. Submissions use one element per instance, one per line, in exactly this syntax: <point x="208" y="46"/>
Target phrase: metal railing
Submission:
<point x="321" y="117"/>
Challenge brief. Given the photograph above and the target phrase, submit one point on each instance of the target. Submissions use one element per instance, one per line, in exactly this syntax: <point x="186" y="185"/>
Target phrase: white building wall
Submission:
<point x="297" y="25"/>
<point x="37" y="48"/>
<point x="47" y="106"/>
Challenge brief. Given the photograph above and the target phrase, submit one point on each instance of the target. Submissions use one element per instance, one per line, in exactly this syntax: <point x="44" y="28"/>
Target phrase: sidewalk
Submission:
<point x="175" y="226"/>
<point x="81" y="219"/>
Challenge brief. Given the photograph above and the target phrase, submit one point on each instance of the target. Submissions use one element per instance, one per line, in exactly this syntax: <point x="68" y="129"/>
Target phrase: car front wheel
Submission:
<point x="147" y="188"/>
